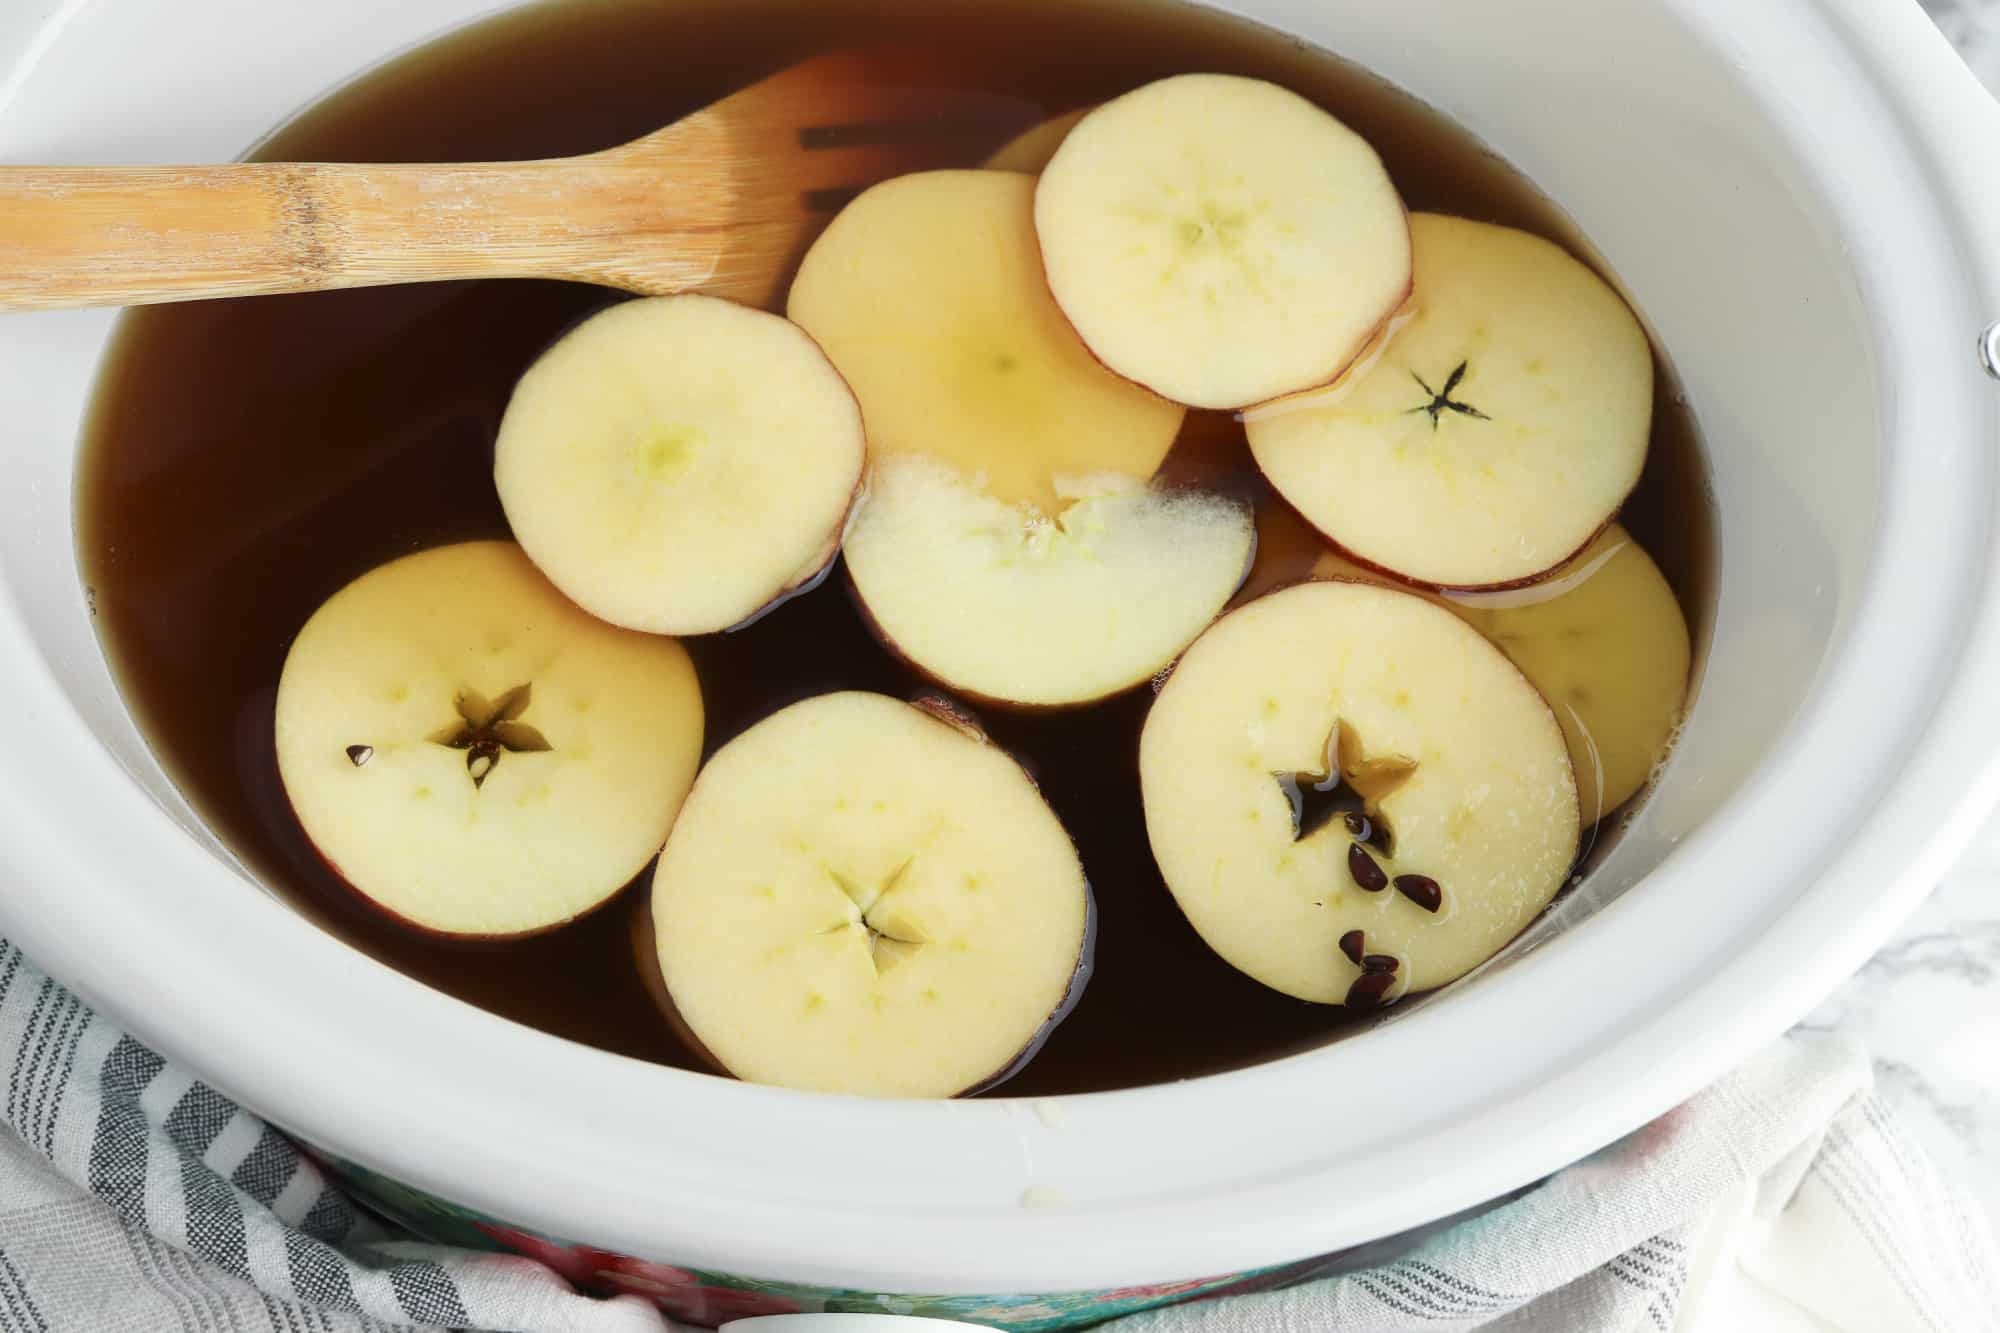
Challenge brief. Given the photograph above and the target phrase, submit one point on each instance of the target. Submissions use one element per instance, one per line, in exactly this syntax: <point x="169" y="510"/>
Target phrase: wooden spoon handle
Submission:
<point x="90" y="236"/>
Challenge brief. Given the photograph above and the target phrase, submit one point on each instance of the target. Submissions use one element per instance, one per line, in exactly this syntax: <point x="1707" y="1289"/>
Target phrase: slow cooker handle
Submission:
<point x="1971" y="166"/>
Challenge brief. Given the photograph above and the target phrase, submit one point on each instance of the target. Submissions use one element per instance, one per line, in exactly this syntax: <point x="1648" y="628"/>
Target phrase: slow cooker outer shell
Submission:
<point x="1770" y="897"/>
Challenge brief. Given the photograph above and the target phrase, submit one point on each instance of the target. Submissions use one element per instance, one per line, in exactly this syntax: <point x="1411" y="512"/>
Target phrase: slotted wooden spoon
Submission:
<point x="724" y="200"/>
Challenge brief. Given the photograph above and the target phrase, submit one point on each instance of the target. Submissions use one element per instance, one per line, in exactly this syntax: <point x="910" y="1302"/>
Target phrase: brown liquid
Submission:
<point x="247" y="458"/>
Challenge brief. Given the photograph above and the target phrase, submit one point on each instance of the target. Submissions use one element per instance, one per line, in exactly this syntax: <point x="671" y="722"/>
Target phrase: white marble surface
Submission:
<point x="1928" y="1004"/>
<point x="1974" y="27"/>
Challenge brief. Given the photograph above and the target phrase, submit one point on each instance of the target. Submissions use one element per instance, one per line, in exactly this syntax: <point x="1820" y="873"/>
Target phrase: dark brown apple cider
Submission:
<point x="247" y="458"/>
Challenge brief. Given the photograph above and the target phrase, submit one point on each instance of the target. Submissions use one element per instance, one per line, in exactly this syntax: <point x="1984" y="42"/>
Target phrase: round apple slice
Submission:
<point x="1353" y="795"/>
<point x="474" y="754"/>
<point x="927" y="292"/>
<point x="1498" y="432"/>
<point x="1031" y="149"/>
<point x="679" y="464"/>
<point x="860" y="896"/>
<point x="999" y="602"/>
<point x="1220" y="239"/>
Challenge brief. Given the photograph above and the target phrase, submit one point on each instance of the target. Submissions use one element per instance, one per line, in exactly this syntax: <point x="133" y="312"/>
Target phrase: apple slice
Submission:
<point x="679" y="464"/>
<point x="860" y="896"/>
<point x="998" y="602"/>
<point x="1353" y="795"/>
<point x="473" y="753"/>
<point x="1220" y="239"/>
<point x="1498" y="432"/>
<point x="927" y="292"/>
<point x="1031" y="149"/>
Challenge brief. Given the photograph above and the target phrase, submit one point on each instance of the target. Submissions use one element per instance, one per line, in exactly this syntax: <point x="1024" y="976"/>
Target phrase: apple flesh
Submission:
<point x="860" y="897"/>
<point x="999" y="602"/>
<point x="1602" y="637"/>
<point x="927" y="292"/>
<point x="1498" y="431"/>
<point x="474" y="754"/>
<point x="1221" y="240"/>
<point x="1605" y="642"/>
<point x="1352" y="795"/>
<point x="680" y="464"/>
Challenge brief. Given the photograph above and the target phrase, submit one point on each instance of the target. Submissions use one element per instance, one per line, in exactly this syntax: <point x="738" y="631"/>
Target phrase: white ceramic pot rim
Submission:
<point x="1162" y="1183"/>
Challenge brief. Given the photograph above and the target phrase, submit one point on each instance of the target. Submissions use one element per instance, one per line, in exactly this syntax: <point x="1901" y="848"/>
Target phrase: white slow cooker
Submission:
<point x="1802" y="196"/>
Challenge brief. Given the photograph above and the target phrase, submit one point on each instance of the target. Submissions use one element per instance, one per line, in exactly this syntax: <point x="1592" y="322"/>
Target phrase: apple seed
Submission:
<point x="1421" y="890"/>
<point x="1368" y="990"/>
<point x="1364" y="870"/>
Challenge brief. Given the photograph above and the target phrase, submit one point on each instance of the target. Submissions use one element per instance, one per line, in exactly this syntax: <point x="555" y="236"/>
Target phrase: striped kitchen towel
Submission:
<point x="136" y="1199"/>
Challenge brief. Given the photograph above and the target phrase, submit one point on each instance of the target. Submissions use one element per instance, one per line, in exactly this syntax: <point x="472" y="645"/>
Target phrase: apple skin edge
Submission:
<point x="967" y="723"/>
<point x="1424" y="585"/>
<point x="816" y="569"/>
<point x="961" y="720"/>
<point x="1086" y="965"/>
<point x="646" y="958"/>
<point x="1507" y="585"/>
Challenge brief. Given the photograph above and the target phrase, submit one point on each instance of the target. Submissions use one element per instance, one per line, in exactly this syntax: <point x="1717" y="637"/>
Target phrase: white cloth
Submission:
<point x="135" y="1199"/>
<point x="1785" y="1189"/>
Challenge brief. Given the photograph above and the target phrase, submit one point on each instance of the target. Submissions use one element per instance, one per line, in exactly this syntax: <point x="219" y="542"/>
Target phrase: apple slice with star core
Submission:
<point x="1221" y="240"/>
<point x="861" y="896"/>
<point x="680" y="464"/>
<point x="1352" y="795"/>
<point x="1498" y="431"/>
<point x="473" y="753"/>
<point x="927" y="292"/>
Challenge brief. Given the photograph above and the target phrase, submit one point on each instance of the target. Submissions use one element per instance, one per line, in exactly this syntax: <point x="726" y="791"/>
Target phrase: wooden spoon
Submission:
<point x="724" y="200"/>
